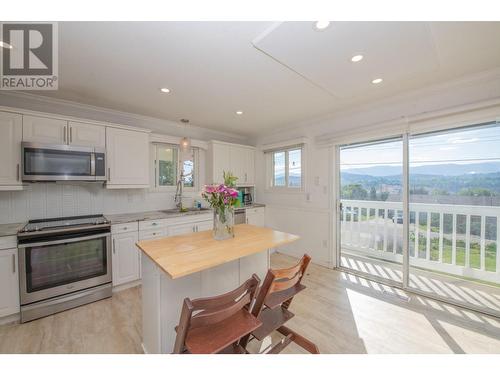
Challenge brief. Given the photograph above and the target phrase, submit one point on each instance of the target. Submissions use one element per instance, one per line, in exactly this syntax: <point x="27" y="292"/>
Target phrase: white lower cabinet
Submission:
<point x="9" y="282"/>
<point x="126" y="258"/>
<point x="179" y="229"/>
<point x="256" y="216"/>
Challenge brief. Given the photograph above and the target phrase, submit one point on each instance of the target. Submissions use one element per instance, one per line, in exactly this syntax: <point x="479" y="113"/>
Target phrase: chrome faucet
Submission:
<point x="178" y="191"/>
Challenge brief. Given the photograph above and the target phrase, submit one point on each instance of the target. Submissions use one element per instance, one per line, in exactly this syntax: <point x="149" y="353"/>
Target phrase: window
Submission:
<point x="286" y="168"/>
<point x="169" y="162"/>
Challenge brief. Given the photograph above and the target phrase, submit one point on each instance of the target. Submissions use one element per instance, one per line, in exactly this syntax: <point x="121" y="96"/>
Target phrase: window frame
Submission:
<point x="270" y="169"/>
<point x="155" y="169"/>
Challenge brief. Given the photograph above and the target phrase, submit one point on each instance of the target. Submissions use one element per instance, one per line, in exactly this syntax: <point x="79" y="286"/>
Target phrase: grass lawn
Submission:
<point x="475" y="252"/>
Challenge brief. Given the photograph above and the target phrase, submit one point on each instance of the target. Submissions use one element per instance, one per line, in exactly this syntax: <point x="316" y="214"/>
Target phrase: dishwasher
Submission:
<point x="240" y="216"/>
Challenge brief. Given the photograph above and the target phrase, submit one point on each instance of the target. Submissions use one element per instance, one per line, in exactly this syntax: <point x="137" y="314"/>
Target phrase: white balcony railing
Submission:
<point x="455" y="239"/>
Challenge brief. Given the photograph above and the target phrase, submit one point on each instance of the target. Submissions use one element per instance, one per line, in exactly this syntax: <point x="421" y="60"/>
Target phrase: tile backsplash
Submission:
<point x="44" y="200"/>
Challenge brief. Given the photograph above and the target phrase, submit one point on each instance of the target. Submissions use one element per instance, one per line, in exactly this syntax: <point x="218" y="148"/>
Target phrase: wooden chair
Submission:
<point x="216" y="324"/>
<point x="272" y="304"/>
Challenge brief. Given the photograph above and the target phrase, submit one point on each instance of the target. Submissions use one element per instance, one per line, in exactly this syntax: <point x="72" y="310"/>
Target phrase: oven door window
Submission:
<point x="49" y="266"/>
<point x="45" y="162"/>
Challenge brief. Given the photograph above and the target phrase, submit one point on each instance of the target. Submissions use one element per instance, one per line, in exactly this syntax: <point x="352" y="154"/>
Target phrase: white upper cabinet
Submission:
<point x="11" y="132"/>
<point x="89" y="135"/>
<point x="45" y="130"/>
<point x="56" y="131"/>
<point x="238" y="159"/>
<point x="249" y="177"/>
<point x="237" y="163"/>
<point x="127" y="153"/>
<point x="220" y="156"/>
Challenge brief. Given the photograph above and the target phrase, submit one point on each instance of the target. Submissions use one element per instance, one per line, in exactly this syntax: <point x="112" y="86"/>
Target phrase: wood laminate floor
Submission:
<point x="341" y="313"/>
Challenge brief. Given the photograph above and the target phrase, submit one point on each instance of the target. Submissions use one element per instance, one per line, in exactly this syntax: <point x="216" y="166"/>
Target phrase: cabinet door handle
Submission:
<point x="64" y="134"/>
<point x="245" y="177"/>
<point x="13" y="263"/>
<point x="154" y="223"/>
<point x="70" y="135"/>
<point x="17" y="172"/>
<point x="114" y="252"/>
<point x="109" y="174"/>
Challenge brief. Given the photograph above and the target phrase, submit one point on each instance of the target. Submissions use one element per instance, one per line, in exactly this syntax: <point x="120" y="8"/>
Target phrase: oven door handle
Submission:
<point x="69" y="240"/>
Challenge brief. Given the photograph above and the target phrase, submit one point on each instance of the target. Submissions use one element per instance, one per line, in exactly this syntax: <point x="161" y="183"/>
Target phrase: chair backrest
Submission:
<point x="281" y="281"/>
<point x="211" y="310"/>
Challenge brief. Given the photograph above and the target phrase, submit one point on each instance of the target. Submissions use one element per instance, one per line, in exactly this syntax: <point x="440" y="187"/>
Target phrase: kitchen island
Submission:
<point x="195" y="265"/>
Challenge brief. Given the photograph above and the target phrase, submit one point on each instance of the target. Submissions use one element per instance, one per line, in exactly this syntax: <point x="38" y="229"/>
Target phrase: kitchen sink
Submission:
<point x="185" y="210"/>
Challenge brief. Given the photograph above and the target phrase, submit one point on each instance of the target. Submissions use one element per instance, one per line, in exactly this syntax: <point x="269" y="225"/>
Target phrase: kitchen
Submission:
<point x="182" y="209"/>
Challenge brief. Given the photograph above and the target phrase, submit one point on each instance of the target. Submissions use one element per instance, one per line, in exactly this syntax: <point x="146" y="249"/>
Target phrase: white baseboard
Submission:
<point x="14" y="318"/>
<point x="131" y="284"/>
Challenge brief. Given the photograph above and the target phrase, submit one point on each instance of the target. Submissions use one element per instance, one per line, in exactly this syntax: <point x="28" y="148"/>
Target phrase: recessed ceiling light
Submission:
<point x="165" y="90"/>
<point x="321" y="25"/>
<point x="377" y="80"/>
<point x="5" y="45"/>
<point x="357" y="58"/>
<point x="239" y="112"/>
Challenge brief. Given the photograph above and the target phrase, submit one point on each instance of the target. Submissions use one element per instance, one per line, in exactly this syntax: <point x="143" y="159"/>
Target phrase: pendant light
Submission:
<point x="185" y="143"/>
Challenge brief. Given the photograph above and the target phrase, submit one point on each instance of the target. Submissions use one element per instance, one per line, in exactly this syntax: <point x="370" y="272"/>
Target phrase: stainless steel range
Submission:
<point x="63" y="263"/>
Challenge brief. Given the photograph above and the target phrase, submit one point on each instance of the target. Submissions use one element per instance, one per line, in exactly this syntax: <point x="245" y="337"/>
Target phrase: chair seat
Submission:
<point x="216" y="337"/>
<point x="271" y="319"/>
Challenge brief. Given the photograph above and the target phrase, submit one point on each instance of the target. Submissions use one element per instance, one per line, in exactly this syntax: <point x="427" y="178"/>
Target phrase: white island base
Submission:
<point x="162" y="296"/>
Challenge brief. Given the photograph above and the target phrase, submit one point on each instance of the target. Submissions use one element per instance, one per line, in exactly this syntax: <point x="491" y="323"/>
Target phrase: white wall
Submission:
<point x="313" y="219"/>
<point x="48" y="200"/>
<point x="45" y="200"/>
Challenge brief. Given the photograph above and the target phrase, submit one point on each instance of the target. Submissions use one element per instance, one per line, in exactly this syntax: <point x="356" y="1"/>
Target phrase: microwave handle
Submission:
<point x="69" y="240"/>
<point x="92" y="164"/>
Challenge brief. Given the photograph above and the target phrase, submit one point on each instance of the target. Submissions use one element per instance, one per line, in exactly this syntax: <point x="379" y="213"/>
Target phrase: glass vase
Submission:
<point x="223" y="223"/>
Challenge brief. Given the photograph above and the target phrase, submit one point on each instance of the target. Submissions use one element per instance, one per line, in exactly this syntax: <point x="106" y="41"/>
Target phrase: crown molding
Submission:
<point x="102" y="114"/>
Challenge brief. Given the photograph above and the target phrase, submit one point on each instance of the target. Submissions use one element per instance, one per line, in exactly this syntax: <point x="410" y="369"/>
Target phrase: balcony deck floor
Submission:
<point x="452" y="288"/>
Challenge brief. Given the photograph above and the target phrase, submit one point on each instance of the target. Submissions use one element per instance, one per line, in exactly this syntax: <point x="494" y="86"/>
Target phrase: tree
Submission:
<point x="476" y="192"/>
<point x="440" y="192"/>
<point x="354" y="191"/>
<point x="419" y="191"/>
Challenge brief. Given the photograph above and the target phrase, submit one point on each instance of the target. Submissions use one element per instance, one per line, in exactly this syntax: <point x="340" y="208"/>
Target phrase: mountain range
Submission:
<point x="448" y="169"/>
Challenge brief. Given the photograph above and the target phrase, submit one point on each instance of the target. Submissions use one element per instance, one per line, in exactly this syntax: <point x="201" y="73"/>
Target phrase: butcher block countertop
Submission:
<point x="183" y="255"/>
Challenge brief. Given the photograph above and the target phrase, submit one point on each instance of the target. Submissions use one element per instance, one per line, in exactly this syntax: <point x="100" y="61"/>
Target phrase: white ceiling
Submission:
<point x="277" y="74"/>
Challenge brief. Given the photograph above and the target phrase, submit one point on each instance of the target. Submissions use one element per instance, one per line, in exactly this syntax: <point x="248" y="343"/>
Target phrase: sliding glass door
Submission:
<point x="371" y="216"/>
<point x="453" y="213"/>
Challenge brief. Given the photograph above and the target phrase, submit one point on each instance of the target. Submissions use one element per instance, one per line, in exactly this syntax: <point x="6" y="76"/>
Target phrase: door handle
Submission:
<point x="17" y="172"/>
<point x="114" y="252"/>
<point x="13" y="263"/>
<point x="70" y="135"/>
<point x="109" y="173"/>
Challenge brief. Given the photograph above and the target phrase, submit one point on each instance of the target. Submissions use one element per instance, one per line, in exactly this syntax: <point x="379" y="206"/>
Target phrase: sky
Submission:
<point x="473" y="145"/>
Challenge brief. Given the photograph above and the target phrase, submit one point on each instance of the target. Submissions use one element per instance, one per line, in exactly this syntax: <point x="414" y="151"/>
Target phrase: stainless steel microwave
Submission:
<point x="47" y="162"/>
